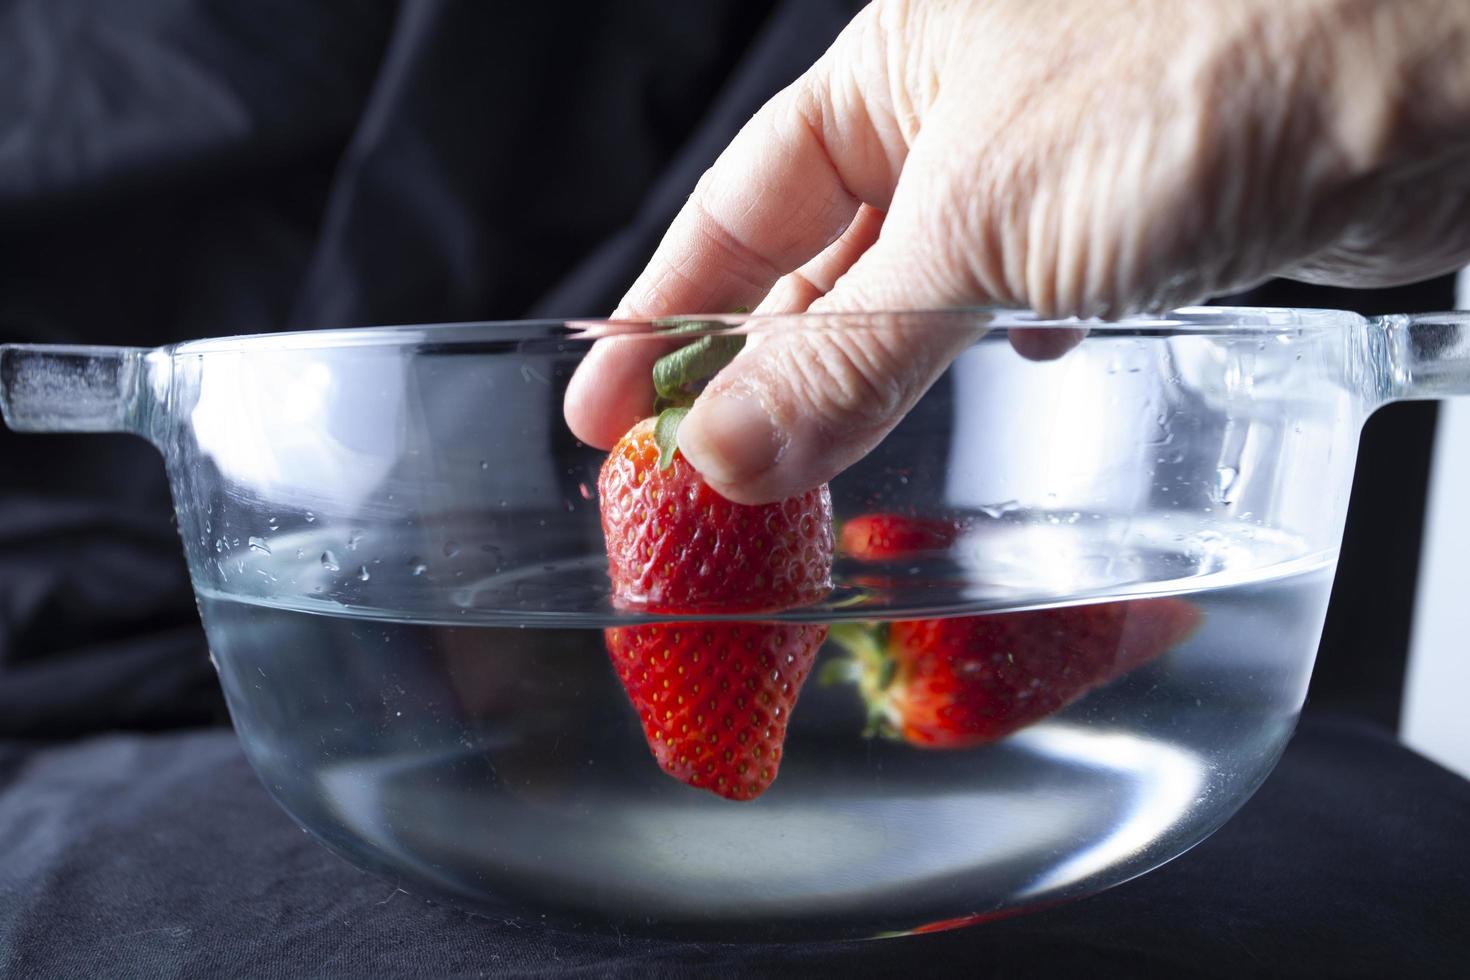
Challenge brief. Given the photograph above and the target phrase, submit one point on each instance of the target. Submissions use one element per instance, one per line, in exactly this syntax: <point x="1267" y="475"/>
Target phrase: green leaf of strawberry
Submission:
<point x="666" y="435"/>
<point x="677" y="376"/>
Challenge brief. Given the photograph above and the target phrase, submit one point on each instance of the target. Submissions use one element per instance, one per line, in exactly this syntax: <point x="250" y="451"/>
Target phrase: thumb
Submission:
<point x="810" y="396"/>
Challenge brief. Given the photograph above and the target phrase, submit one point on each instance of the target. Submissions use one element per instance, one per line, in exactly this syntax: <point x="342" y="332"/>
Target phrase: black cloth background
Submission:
<point x="173" y="169"/>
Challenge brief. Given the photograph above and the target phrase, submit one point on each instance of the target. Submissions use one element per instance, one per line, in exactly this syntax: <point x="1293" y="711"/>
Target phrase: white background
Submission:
<point x="1436" y="719"/>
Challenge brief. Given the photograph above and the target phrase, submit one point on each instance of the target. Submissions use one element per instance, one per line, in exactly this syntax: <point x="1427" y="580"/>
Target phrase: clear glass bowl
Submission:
<point x="399" y="562"/>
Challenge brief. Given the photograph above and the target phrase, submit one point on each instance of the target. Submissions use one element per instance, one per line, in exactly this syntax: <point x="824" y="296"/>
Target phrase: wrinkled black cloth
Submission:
<point x="162" y="856"/>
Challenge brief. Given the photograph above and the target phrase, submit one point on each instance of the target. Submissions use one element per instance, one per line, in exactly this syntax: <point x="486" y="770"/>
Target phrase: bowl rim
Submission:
<point x="569" y="332"/>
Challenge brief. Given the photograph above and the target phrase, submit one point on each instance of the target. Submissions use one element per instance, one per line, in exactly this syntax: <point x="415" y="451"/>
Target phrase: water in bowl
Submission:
<point x="487" y="754"/>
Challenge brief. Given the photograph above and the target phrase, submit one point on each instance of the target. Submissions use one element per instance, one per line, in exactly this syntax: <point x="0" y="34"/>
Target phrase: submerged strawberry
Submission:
<point x="714" y="698"/>
<point x="969" y="680"/>
<point x="887" y="537"/>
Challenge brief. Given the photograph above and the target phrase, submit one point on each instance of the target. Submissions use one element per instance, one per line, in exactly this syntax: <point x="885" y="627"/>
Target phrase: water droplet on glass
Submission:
<point x="353" y="540"/>
<point x="258" y="544"/>
<point x="1000" y="509"/>
<point x="363" y="574"/>
<point x="1225" y="478"/>
<point x="484" y="465"/>
<point x="329" y="562"/>
<point x="219" y="546"/>
<point x="416" y="566"/>
<point x="300" y="553"/>
<point x="310" y="517"/>
<point x="273" y="524"/>
<point x="451" y="548"/>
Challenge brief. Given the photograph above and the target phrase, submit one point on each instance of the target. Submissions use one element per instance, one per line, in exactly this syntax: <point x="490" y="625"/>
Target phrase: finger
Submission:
<point x="792" y="412"/>
<point x="612" y="390"/>
<point x="798" y="408"/>
<point x="796" y="291"/>
<point x="1044" y="343"/>
<point x="622" y="365"/>
<point x="795" y="410"/>
<point x="785" y="189"/>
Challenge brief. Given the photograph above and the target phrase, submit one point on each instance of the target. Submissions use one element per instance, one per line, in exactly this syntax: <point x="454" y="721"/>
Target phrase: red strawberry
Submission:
<point x="969" y="680"/>
<point x="676" y="546"/>
<point x="887" y="537"/>
<point x="714" y="697"/>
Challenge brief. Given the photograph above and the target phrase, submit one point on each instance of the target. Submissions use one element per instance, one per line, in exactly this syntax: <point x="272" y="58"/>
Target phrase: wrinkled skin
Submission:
<point x="1080" y="157"/>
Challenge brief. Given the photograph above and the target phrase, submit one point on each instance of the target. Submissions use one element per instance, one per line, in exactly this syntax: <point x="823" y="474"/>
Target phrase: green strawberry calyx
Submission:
<point x="867" y="663"/>
<point x="680" y="376"/>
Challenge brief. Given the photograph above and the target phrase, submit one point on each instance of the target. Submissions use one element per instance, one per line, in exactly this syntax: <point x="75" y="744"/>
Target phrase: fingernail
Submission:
<point x="730" y="439"/>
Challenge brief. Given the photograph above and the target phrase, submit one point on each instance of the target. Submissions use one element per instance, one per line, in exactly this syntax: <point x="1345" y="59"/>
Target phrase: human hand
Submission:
<point x="1080" y="157"/>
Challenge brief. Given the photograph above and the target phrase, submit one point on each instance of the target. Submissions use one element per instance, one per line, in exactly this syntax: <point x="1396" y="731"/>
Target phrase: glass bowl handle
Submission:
<point x="45" y="388"/>
<point x="1424" y="355"/>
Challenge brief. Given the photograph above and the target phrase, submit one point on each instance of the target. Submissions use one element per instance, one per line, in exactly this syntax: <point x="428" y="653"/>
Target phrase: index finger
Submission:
<point x="787" y="186"/>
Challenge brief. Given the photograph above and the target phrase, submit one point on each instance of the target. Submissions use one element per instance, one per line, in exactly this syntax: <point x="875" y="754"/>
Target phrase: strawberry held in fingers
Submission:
<point x="674" y="545"/>
<point x="970" y="680"/>
<point x="713" y="698"/>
